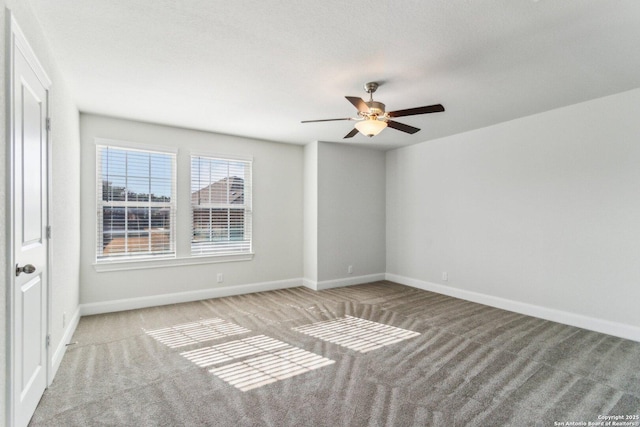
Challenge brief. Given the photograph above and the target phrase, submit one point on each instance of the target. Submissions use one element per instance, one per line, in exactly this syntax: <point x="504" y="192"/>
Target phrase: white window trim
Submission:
<point x="249" y="206"/>
<point x="141" y="264"/>
<point x="128" y="145"/>
<point x="221" y="156"/>
<point x="160" y="261"/>
<point x="146" y="261"/>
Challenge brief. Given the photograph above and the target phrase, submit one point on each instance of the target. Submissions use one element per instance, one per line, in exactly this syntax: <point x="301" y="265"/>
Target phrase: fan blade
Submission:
<point x="351" y="134"/>
<point x="437" y="108"/>
<point x="358" y="103"/>
<point x="402" y="127"/>
<point x="326" y="120"/>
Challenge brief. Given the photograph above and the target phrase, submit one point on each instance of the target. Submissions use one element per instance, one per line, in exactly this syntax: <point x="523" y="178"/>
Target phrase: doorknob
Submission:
<point x="29" y="268"/>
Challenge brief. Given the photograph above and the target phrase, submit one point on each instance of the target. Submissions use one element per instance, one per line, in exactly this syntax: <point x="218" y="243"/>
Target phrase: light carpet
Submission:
<point x="379" y="354"/>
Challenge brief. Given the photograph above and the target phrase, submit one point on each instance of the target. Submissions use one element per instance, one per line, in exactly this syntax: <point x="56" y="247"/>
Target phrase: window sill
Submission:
<point x="140" y="264"/>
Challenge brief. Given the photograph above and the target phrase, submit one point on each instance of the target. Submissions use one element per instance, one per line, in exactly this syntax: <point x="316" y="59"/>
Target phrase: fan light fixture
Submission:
<point x="371" y="126"/>
<point x="372" y="117"/>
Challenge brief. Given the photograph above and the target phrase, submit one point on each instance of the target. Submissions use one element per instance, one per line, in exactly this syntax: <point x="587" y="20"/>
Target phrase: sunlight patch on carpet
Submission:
<point x="208" y="356"/>
<point x="272" y="361"/>
<point x="269" y="368"/>
<point x="196" y="332"/>
<point x="356" y="334"/>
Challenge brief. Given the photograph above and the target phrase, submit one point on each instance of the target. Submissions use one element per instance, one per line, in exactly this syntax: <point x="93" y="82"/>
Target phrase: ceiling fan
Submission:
<point x="372" y="118"/>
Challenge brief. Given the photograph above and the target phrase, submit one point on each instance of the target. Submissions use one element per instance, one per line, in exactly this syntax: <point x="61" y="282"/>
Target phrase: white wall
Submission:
<point x="277" y="213"/>
<point x="542" y="210"/>
<point x="310" y="268"/>
<point x="65" y="206"/>
<point x="65" y="217"/>
<point x="351" y="213"/>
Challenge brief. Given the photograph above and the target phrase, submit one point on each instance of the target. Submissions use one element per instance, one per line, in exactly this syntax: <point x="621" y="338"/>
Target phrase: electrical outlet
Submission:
<point x="350" y="269"/>
<point x="220" y="278"/>
<point x="445" y="276"/>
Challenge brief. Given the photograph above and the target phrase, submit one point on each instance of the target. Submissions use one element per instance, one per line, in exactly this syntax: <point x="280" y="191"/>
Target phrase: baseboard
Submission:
<point x="62" y="346"/>
<point x="621" y="330"/>
<point x="311" y="284"/>
<point x="175" y="298"/>
<point x="338" y="283"/>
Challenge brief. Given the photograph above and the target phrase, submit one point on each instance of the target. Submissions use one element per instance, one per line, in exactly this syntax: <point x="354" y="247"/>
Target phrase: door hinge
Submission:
<point x="48" y="123"/>
<point x="48" y="231"/>
<point x="48" y="341"/>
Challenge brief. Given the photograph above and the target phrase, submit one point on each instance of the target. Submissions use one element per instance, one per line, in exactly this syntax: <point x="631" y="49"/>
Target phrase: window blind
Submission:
<point x="221" y="206"/>
<point x="136" y="203"/>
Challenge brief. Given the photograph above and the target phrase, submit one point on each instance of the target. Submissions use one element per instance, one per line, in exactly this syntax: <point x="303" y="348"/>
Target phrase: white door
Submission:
<point x="29" y="192"/>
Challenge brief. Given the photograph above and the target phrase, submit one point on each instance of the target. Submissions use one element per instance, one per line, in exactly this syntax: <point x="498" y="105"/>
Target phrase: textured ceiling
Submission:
<point x="257" y="68"/>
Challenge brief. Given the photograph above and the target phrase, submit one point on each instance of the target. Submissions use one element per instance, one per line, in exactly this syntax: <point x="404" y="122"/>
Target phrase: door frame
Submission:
<point x="15" y="39"/>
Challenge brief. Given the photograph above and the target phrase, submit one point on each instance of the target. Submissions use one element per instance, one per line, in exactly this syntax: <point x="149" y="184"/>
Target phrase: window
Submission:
<point x="221" y="206"/>
<point x="136" y="203"/>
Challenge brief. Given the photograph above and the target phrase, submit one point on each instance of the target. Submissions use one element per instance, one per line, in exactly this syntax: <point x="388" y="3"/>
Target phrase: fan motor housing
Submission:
<point x="375" y="108"/>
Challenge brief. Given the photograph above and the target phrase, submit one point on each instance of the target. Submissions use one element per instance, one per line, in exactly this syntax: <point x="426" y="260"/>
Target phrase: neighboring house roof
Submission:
<point x="227" y="190"/>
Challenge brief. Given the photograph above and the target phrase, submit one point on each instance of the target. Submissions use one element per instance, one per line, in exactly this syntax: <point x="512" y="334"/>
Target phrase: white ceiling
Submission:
<point x="257" y="68"/>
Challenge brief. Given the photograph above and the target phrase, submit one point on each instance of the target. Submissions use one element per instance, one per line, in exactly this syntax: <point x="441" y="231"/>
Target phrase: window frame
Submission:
<point x="183" y="215"/>
<point x="247" y="204"/>
<point x="101" y="204"/>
